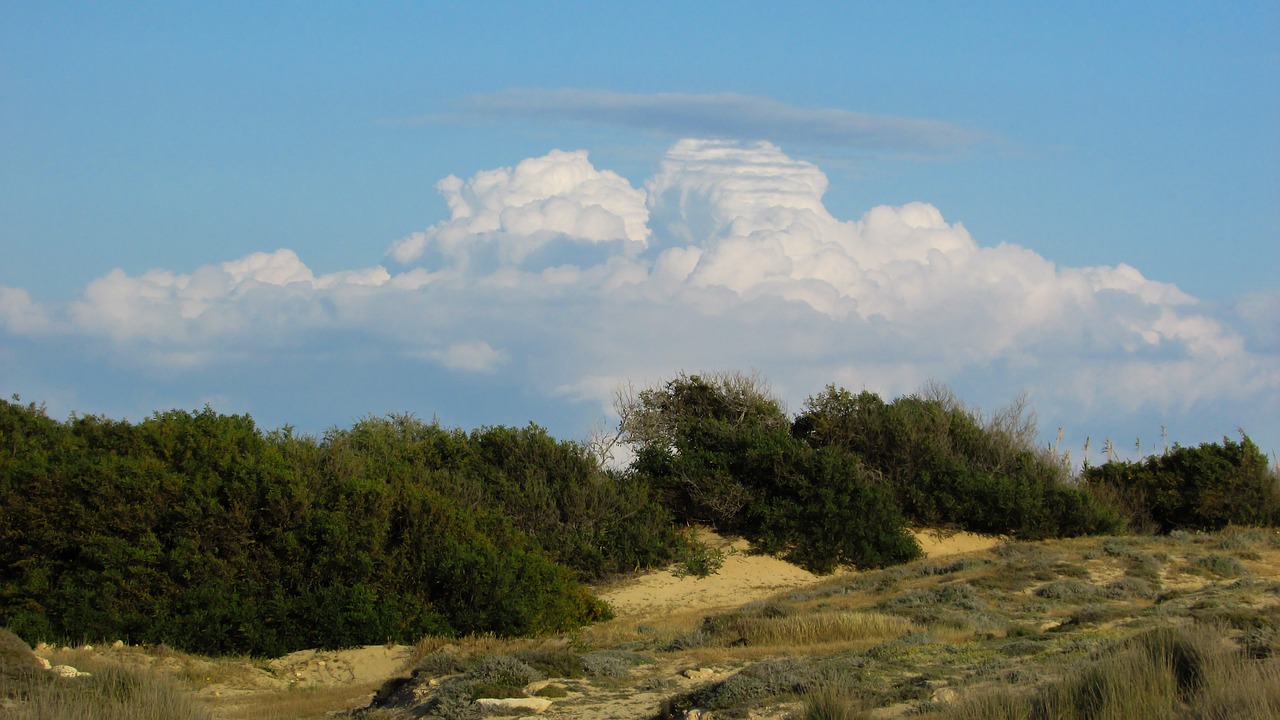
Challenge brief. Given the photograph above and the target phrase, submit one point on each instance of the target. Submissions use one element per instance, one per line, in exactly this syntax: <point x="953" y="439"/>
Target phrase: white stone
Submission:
<point x="536" y="704"/>
<point x="943" y="696"/>
<point x="67" y="671"/>
<point x="44" y="663"/>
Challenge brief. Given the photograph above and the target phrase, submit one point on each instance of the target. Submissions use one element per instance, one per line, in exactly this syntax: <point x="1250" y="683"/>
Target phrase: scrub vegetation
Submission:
<point x="202" y="532"/>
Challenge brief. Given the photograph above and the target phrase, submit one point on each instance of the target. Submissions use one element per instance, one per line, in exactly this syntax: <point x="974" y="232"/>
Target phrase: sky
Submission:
<point x="496" y="213"/>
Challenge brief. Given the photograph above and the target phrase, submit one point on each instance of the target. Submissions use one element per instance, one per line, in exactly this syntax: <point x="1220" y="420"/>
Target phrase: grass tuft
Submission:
<point x="831" y="703"/>
<point x="110" y="692"/>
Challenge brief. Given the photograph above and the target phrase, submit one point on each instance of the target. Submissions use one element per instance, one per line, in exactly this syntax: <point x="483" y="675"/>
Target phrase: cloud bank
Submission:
<point x="563" y="280"/>
<point x="722" y="115"/>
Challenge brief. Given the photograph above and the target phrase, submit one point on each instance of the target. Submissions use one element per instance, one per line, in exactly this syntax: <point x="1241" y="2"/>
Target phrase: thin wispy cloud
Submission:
<point x="717" y="115"/>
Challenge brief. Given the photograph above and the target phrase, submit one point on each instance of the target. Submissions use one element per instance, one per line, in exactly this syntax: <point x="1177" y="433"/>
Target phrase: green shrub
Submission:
<point x="718" y="449"/>
<point x="439" y="663"/>
<point x="1127" y="587"/>
<point x="756" y="683"/>
<point x="697" y="559"/>
<point x="957" y="595"/>
<point x="949" y="466"/>
<point x="1223" y="566"/>
<point x="1200" y="488"/>
<point x="200" y="531"/>
<point x="1070" y="591"/>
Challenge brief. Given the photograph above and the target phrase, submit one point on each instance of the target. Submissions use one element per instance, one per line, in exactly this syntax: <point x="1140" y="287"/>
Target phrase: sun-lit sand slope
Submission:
<point x="744" y="577"/>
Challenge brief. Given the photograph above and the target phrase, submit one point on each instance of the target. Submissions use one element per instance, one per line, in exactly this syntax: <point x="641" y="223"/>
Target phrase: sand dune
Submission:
<point x="745" y="577"/>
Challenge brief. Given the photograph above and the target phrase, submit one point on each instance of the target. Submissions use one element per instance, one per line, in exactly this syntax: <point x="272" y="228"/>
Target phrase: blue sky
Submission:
<point x="1081" y="203"/>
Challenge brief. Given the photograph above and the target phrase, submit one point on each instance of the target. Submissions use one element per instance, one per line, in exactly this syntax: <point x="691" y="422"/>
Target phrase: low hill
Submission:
<point x="979" y="628"/>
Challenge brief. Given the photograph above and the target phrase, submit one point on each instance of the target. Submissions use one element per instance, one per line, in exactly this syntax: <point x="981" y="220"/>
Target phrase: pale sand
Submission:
<point x="354" y="665"/>
<point x="744" y="578"/>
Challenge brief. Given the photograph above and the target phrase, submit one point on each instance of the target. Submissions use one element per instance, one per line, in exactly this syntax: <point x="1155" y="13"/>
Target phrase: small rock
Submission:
<point x="67" y="671"/>
<point x="320" y="664"/>
<point x="700" y="674"/>
<point x="943" y="696"/>
<point x="697" y="714"/>
<point x="44" y="663"/>
<point x="117" y="644"/>
<point x="87" y="648"/>
<point x="536" y="704"/>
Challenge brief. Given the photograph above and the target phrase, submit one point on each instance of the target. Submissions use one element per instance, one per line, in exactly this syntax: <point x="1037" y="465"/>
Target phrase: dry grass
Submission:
<point x="832" y="703"/>
<point x="1187" y="672"/>
<point x="474" y="645"/>
<point x="842" y="627"/>
<point x="311" y="703"/>
<point x="111" y="692"/>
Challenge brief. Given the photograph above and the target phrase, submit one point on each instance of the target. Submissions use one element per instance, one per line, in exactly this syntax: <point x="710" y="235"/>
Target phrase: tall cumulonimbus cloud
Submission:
<point x="567" y="279"/>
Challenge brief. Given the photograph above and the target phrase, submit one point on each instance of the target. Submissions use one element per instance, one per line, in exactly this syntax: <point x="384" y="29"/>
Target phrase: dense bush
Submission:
<point x="1195" y="488"/>
<point x="596" y="522"/>
<point x="947" y="466"/>
<point x="719" y="450"/>
<point x="201" y="531"/>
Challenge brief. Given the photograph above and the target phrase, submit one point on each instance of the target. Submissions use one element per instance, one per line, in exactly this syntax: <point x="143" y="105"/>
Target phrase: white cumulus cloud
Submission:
<point x="726" y="258"/>
<point x="479" y="357"/>
<point x="513" y="213"/>
<point x="19" y="314"/>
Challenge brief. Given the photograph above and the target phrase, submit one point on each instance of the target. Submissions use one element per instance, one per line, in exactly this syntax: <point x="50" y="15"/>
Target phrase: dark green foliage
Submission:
<point x="822" y="512"/>
<point x="597" y="523"/>
<point x="697" y="559"/>
<point x="1201" y="488"/>
<point x="200" y="531"/>
<point x="945" y="466"/>
<point x="702" y="442"/>
<point x="719" y="450"/>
